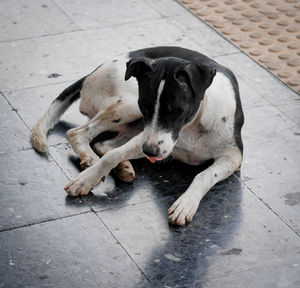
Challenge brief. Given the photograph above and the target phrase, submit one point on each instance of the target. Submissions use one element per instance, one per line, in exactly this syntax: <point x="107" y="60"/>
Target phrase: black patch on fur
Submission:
<point x="71" y="93"/>
<point x="195" y="57"/>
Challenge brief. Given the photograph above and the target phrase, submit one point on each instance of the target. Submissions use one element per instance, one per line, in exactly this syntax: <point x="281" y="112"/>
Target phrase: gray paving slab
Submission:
<point x="31" y="191"/>
<point x="22" y="19"/>
<point x="222" y="240"/>
<point x="262" y="81"/>
<point x="281" y="193"/>
<point x="13" y="131"/>
<point x="79" y="53"/>
<point x="32" y="103"/>
<point x="278" y="275"/>
<point x="210" y="43"/>
<point x="72" y="252"/>
<point x="99" y="14"/>
<point x="168" y="8"/>
<point x="270" y="143"/>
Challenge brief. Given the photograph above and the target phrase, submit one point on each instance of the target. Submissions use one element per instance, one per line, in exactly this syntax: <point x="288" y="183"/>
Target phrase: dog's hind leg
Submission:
<point x="87" y="179"/>
<point x="112" y="118"/>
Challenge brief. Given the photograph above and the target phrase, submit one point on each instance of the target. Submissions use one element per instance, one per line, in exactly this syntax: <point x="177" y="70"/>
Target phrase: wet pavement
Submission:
<point x="246" y="231"/>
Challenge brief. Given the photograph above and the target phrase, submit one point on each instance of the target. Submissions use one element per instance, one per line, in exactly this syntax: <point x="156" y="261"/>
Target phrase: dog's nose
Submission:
<point x="151" y="150"/>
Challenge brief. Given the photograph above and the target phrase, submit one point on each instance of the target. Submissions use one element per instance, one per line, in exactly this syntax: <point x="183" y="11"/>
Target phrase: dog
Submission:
<point x="189" y="107"/>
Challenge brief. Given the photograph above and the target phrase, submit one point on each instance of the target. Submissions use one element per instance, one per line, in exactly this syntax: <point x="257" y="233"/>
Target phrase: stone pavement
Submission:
<point x="246" y="232"/>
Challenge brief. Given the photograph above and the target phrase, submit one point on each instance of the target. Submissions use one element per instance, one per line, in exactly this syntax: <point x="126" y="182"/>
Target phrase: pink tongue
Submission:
<point x="153" y="159"/>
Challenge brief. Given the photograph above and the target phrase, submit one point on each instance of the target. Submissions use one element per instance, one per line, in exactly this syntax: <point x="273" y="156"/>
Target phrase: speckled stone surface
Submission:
<point x="246" y="231"/>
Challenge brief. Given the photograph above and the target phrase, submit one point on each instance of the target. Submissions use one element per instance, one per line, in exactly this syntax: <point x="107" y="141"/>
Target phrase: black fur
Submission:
<point x="191" y="60"/>
<point x="72" y="93"/>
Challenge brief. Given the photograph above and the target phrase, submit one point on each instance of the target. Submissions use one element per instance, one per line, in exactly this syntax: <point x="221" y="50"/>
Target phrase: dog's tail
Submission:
<point x="38" y="136"/>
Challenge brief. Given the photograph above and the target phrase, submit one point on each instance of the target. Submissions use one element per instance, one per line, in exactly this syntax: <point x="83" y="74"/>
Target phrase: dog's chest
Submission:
<point x="192" y="146"/>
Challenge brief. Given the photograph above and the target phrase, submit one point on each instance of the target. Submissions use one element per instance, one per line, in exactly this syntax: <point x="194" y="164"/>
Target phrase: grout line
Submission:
<point x="39" y="36"/>
<point x="43" y="221"/>
<point x="15" y="110"/>
<point x="38" y="86"/>
<point x="67" y="15"/>
<point x="270" y="208"/>
<point x="116" y="239"/>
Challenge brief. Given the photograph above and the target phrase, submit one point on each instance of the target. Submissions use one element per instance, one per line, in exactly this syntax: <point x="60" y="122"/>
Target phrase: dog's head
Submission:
<point x="170" y="92"/>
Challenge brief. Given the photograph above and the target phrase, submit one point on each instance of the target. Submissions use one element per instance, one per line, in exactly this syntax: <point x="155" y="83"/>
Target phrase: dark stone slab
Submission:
<point x="231" y="232"/>
<point x="31" y="190"/>
<point x="77" y="252"/>
<point x="278" y="275"/>
<point x="13" y="132"/>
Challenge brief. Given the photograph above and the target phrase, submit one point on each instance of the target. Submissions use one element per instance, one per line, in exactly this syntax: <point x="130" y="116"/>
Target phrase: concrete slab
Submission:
<point x="31" y="105"/>
<point x="278" y="275"/>
<point x="99" y="14"/>
<point x="79" y="53"/>
<point x="21" y="19"/>
<point x="222" y="240"/>
<point x="72" y="252"/>
<point x="208" y="40"/>
<point x="13" y="131"/>
<point x="31" y="191"/>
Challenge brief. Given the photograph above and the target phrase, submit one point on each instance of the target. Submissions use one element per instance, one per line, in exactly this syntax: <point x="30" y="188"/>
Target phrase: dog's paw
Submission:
<point x="183" y="209"/>
<point x="82" y="183"/>
<point x="125" y="171"/>
<point x="87" y="160"/>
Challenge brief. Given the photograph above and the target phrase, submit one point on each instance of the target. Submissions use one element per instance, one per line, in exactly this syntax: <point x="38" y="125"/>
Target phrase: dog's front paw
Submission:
<point x="82" y="183"/>
<point x="87" y="160"/>
<point x="183" y="209"/>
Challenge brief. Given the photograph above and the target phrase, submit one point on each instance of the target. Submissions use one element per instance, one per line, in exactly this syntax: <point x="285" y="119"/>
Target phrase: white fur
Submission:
<point x="215" y="117"/>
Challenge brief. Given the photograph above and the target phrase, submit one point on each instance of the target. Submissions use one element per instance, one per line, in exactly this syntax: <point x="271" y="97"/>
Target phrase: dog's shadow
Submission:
<point x="184" y="260"/>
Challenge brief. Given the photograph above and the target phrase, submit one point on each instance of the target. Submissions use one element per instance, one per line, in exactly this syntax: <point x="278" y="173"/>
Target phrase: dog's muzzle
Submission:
<point x="151" y="152"/>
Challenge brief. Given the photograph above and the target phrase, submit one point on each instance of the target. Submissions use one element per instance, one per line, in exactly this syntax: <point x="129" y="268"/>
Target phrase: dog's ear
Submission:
<point x="137" y="67"/>
<point x="198" y="76"/>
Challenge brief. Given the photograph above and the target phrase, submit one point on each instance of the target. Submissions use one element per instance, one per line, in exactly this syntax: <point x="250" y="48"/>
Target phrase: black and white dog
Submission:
<point x="190" y="107"/>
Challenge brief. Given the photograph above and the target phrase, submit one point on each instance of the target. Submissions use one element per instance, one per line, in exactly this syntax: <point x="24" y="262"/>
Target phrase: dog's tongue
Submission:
<point x="153" y="159"/>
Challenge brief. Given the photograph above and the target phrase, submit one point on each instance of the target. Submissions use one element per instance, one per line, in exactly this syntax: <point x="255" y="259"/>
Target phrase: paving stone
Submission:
<point x="31" y="191"/>
<point x="40" y="57"/>
<point x="210" y="43"/>
<point x="259" y="79"/>
<point x="249" y="97"/>
<point x="22" y="19"/>
<point x="279" y="275"/>
<point x="168" y="8"/>
<point x="71" y="252"/>
<point x="222" y="239"/>
<point x="13" y="132"/>
<point x="32" y="103"/>
<point x="281" y="193"/>
<point x="94" y="14"/>
<point x="270" y="143"/>
<point x="152" y="181"/>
